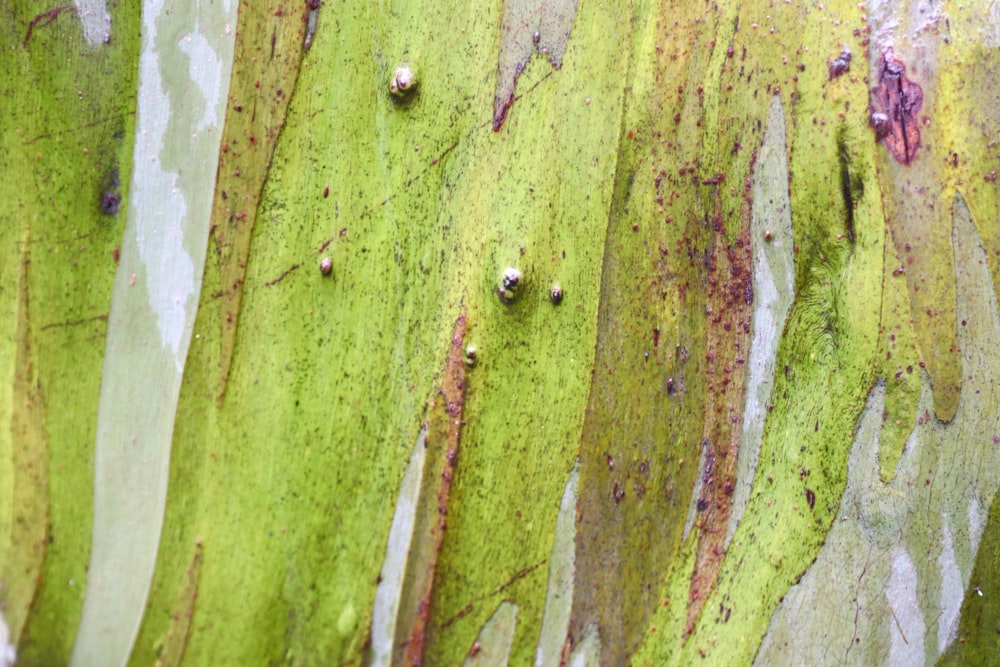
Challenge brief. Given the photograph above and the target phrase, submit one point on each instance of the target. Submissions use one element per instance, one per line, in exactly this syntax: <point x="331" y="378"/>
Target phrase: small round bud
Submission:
<point x="507" y="289"/>
<point x="511" y="277"/>
<point x="470" y="356"/>
<point x="556" y="295"/>
<point x="326" y="266"/>
<point x="403" y="82"/>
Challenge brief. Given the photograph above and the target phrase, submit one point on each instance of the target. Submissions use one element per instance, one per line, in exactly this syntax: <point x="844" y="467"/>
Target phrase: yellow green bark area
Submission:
<point x="719" y="341"/>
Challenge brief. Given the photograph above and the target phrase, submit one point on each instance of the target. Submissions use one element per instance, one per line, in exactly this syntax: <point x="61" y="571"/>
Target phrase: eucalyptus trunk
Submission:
<point x="536" y="331"/>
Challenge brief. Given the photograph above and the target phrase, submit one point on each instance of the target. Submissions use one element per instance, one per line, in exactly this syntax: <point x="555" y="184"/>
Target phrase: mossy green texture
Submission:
<point x="67" y="112"/>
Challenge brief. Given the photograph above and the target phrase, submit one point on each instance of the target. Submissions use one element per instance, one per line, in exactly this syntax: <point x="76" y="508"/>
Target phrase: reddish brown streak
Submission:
<point x="46" y="18"/>
<point x="517" y="576"/>
<point x="898" y="100"/>
<point x="444" y="433"/>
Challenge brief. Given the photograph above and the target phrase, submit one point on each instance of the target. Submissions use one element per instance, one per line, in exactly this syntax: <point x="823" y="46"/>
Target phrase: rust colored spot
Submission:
<point x="840" y="64"/>
<point x="896" y="101"/>
<point x="811" y="498"/>
<point x="618" y="493"/>
<point x="110" y="202"/>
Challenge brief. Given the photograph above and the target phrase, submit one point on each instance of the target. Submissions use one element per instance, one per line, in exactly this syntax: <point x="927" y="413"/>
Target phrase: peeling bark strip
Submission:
<point x="443" y="432"/>
<point x="528" y="25"/>
<point x="896" y="101"/>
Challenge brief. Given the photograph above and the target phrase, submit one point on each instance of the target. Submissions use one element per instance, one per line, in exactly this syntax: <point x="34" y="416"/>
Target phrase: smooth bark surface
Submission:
<point x="526" y="332"/>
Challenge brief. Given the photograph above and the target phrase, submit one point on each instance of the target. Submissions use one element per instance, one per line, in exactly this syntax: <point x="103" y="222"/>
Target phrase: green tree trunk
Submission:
<point x="511" y="333"/>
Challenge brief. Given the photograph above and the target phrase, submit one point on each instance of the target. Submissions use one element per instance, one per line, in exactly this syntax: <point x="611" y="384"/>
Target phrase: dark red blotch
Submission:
<point x="896" y="101"/>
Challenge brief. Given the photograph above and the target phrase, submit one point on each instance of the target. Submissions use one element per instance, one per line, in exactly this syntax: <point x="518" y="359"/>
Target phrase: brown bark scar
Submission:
<point x="730" y="312"/>
<point x="896" y="101"/>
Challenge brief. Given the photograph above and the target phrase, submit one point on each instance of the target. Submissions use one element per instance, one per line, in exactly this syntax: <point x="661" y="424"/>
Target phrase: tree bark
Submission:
<point x="638" y="333"/>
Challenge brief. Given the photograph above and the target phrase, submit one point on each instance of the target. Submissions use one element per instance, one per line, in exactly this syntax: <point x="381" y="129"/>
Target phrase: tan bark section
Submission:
<point x="443" y="434"/>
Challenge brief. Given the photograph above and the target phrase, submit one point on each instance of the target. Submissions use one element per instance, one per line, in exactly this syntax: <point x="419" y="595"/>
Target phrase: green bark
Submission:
<point x="759" y="425"/>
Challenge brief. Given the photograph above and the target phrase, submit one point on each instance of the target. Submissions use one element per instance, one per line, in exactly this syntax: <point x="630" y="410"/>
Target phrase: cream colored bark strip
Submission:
<point x="562" y="565"/>
<point x="492" y="646"/>
<point x="773" y="293"/>
<point x="8" y="653"/>
<point x="397" y="553"/>
<point x="588" y="652"/>
<point x="184" y="69"/>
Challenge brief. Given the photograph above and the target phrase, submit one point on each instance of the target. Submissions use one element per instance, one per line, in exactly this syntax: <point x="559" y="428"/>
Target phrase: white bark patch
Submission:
<point x="95" y="21"/>
<point x="397" y="551"/>
<point x="562" y="565"/>
<point x="952" y="590"/>
<point x="205" y="69"/>
<point x="977" y="523"/>
<point x="588" y="652"/>
<point x="991" y="27"/>
<point x="932" y="507"/>
<point x="153" y="309"/>
<point x="773" y="292"/>
<point x="492" y="647"/>
<point x="158" y="206"/>
<point x="8" y="653"/>
<point x="528" y="25"/>
<point x="907" y="630"/>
